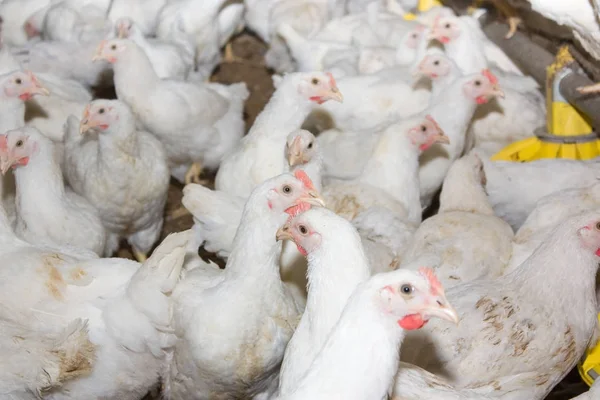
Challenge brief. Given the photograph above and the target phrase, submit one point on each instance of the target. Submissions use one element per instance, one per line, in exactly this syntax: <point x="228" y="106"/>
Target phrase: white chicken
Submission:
<point x="322" y="236"/>
<point x="391" y="177"/>
<point x="258" y="155"/>
<point x="65" y="219"/>
<point x="126" y="305"/>
<point x="377" y="316"/>
<point x="197" y="123"/>
<point x="471" y="242"/>
<point x="121" y="171"/>
<point x="208" y="25"/>
<point x="516" y="324"/>
<point x="245" y="307"/>
<point x="472" y="90"/>
<point x="169" y="59"/>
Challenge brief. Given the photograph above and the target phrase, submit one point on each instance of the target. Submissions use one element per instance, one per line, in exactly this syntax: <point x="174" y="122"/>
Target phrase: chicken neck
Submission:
<point x="254" y="258"/>
<point x="12" y="114"/>
<point x="285" y="112"/>
<point x="40" y="185"/>
<point x="394" y="168"/>
<point x="344" y="369"/>
<point x="134" y="75"/>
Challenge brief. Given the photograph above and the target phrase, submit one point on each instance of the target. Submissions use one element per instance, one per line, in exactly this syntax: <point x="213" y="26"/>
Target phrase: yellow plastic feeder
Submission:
<point x="422" y="6"/>
<point x="589" y="368"/>
<point x="569" y="133"/>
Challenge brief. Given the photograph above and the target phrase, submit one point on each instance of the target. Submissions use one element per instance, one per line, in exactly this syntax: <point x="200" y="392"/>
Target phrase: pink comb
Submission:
<point x="303" y="177"/>
<point x="434" y="282"/>
<point x="491" y="77"/>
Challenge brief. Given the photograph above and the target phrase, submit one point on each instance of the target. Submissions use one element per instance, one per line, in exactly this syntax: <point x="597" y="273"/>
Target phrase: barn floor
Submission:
<point x="250" y="68"/>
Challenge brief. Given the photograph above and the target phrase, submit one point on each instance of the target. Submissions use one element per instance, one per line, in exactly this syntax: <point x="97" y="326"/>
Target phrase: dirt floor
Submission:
<point x="249" y="67"/>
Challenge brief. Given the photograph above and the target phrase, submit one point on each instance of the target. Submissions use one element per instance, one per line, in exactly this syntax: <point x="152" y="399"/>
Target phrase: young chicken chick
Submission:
<point x="233" y="324"/>
<point x="197" y="123"/>
<point x="47" y="212"/>
<point x="336" y="265"/>
<point x="360" y="357"/>
<point x="121" y="171"/>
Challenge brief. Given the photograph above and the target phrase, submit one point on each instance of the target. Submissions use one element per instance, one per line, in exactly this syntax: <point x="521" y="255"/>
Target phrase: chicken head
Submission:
<point x="445" y="29"/>
<point x="109" y="50"/>
<point x="300" y="147"/>
<point x="413" y="38"/>
<point x="427" y="133"/>
<point x="23" y="84"/>
<point x="291" y="193"/>
<point x="16" y="148"/>
<point x="590" y="236"/>
<point x="434" y="66"/>
<point x="319" y="87"/>
<point x="412" y="298"/>
<point x="98" y="116"/>
<point x="482" y="87"/>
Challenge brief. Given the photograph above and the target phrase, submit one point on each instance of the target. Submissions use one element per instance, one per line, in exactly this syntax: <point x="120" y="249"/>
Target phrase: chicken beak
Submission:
<point x="5" y="163"/>
<point x="312" y="198"/>
<point x="98" y="56"/>
<point x="335" y="94"/>
<point x="442" y="309"/>
<point x="84" y="126"/>
<point x="496" y="91"/>
<point x="441" y="138"/>
<point x="284" y="233"/>
<point x="295" y="150"/>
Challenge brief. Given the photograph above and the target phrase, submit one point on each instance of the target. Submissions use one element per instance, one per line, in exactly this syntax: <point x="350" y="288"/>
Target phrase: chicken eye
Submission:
<point x="406" y="289"/>
<point x="423" y="128"/>
<point x="18" y="81"/>
<point x="598" y="226"/>
<point x="113" y="47"/>
<point x="315" y="81"/>
<point x="448" y="26"/>
<point x="101" y="111"/>
<point x="436" y="62"/>
<point x="310" y="145"/>
<point x="19" y="143"/>
<point x="303" y="230"/>
<point x="287" y="189"/>
<point x="478" y="83"/>
<point x="414" y="35"/>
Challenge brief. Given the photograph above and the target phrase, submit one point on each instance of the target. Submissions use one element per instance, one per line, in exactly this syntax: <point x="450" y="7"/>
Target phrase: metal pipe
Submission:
<point x="534" y="60"/>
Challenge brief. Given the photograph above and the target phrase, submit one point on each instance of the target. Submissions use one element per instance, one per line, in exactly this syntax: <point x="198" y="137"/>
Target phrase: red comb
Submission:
<point x="303" y="177"/>
<point x="434" y="282"/>
<point x="3" y="143"/>
<point x="491" y="77"/>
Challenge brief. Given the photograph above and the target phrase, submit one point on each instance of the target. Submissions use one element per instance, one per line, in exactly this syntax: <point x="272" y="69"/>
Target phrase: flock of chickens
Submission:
<point x="334" y="287"/>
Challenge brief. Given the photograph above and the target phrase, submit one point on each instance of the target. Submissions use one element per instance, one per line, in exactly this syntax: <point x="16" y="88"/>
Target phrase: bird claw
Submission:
<point x="179" y="212"/>
<point x="229" y="56"/>
<point x="193" y="175"/>
<point x="139" y="256"/>
<point x="513" y="24"/>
